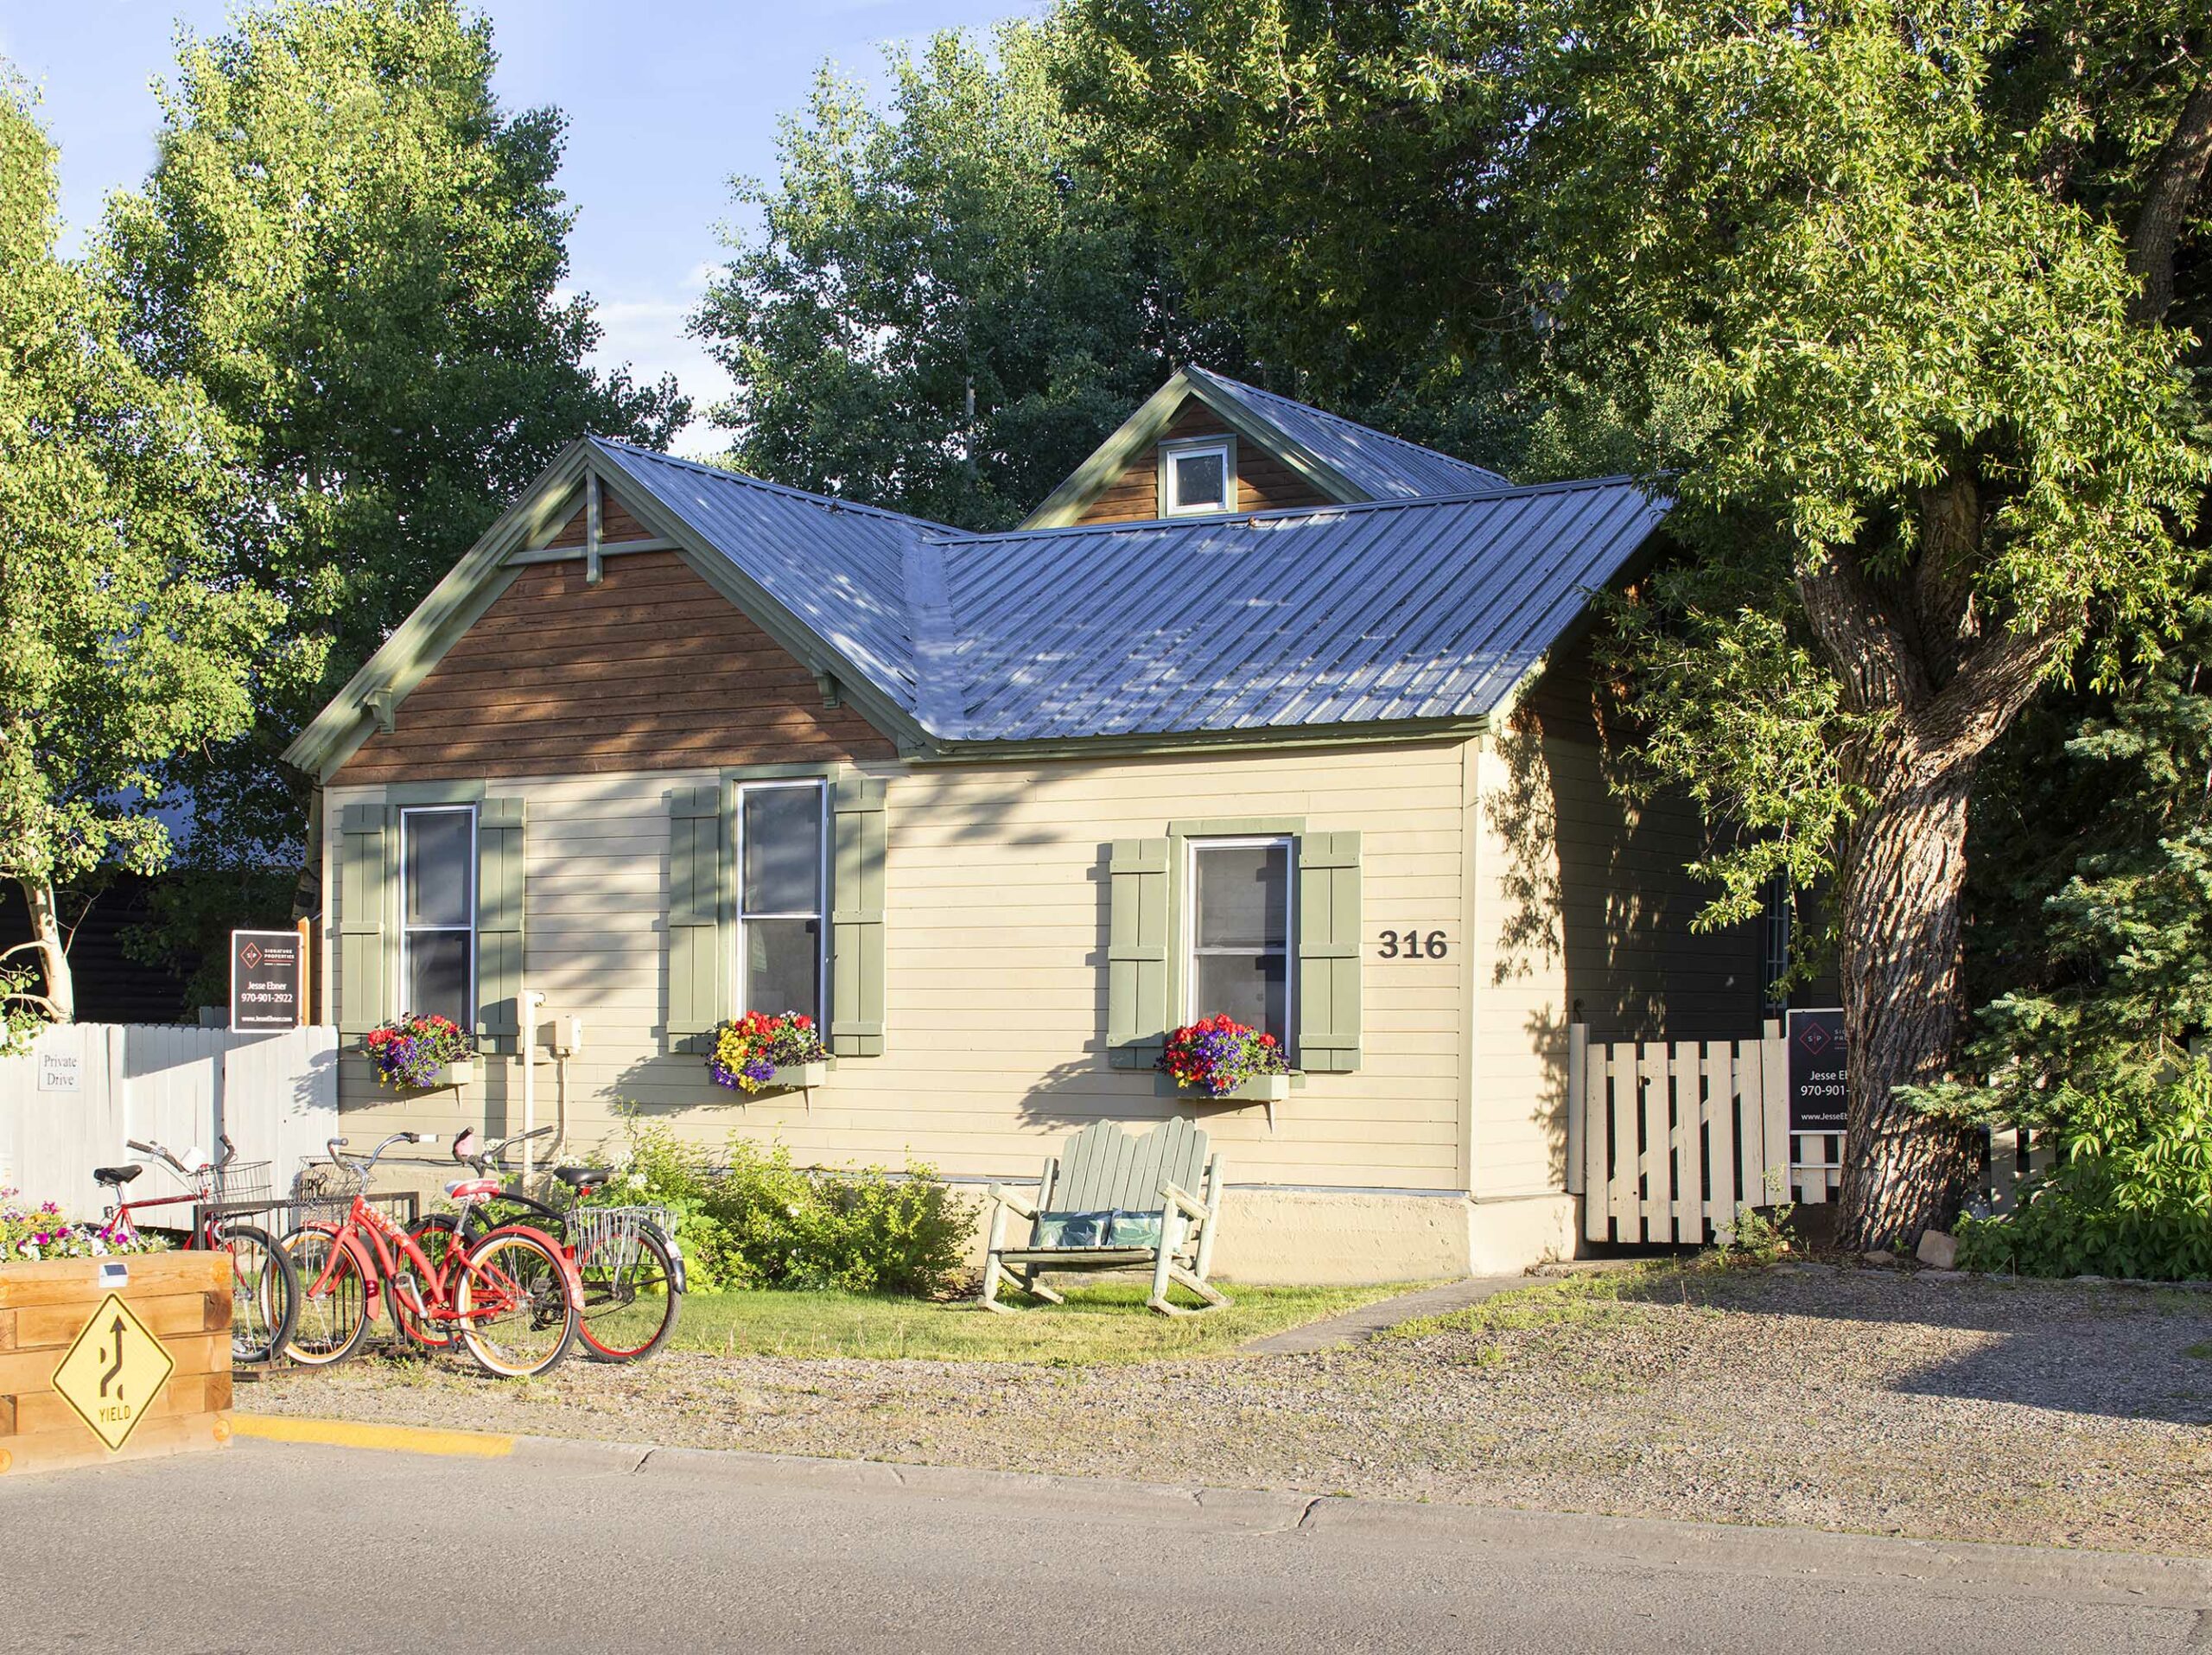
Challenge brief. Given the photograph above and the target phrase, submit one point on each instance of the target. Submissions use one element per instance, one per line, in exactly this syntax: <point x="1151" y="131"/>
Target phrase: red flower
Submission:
<point x="1266" y="1039"/>
<point x="803" y="1021"/>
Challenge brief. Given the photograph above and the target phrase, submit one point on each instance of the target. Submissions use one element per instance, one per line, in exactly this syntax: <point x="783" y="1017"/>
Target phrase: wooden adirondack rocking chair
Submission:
<point x="1111" y="1201"/>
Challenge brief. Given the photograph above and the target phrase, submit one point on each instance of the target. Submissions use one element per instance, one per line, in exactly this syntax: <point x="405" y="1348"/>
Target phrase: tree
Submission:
<point x="952" y="246"/>
<point x="126" y="641"/>
<point x="1887" y="292"/>
<point x="359" y="253"/>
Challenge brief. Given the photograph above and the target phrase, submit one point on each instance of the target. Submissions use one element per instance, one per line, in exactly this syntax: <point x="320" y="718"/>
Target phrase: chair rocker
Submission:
<point x="1111" y="1201"/>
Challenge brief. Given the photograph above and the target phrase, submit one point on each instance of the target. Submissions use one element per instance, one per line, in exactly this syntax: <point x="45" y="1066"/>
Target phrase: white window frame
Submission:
<point x="407" y="813"/>
<point x="1192" y="1011"/>
<point x="821" y="916"/>
<point x="1171" y="452"/>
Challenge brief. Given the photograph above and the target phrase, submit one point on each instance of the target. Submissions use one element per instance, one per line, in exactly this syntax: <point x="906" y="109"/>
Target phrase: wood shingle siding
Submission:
<point x="615" y="524"/>
<point x="652" y="669"/>
<point x="1264" y="483"/>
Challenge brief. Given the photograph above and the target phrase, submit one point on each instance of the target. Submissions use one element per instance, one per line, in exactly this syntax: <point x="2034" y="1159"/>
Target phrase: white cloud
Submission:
<point x="645" y="331"/>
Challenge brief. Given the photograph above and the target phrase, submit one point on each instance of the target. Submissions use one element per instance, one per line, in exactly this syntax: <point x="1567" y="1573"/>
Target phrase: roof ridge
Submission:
<point x="1395" y="503"/>
<point x="1358" y="425"/>
<point x="745" y="479"/>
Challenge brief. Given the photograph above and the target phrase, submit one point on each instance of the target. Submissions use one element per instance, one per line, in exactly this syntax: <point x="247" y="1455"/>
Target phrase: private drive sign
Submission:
<point x="265" y="985"/>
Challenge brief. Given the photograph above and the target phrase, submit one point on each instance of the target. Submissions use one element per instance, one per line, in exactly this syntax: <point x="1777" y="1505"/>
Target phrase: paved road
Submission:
<point x="282" y="1546"/>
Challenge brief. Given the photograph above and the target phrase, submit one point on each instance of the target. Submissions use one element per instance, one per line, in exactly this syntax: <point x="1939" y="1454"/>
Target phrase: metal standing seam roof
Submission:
<point x="1385" y="466"/>
<point x="1383" y="611"/>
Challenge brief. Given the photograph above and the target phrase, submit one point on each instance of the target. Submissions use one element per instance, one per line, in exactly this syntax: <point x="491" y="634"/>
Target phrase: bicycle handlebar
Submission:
<point x="484" y="1160"/>
<point x="144" y="1149"/>
<point x="364" y="1163"/>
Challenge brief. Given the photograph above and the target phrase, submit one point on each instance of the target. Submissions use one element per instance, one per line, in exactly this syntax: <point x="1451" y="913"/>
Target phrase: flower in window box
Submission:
<point x="415" y="1047"/>
<point x="747" y="1052"/>
<point x="1215" y="1055"/>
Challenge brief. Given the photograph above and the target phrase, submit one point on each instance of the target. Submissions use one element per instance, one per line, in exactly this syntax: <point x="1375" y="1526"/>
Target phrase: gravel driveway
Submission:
<point x="1865" y="1400"/>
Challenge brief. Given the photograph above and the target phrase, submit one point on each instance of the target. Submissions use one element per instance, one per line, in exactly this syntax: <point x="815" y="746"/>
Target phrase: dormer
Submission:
<point x="1206" y="446"/>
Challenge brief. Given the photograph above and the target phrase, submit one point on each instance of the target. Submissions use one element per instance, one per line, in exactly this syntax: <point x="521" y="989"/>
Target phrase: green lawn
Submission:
<point x="1099" y="1323"/>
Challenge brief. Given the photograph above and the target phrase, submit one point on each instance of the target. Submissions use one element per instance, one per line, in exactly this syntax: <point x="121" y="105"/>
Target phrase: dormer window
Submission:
<point x="1197" y="479"/>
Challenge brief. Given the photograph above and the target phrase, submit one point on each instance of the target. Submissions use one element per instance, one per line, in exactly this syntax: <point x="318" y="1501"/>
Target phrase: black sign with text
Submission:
<point x="265" y="981"/>
<point x="1817" y="1090"/>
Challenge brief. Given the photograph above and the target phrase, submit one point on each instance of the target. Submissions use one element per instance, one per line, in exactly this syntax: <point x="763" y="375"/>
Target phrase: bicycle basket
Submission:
<point x="599" y="1229"/>
<point x="323" y="1191"/>
<point x="243" y="1181"/>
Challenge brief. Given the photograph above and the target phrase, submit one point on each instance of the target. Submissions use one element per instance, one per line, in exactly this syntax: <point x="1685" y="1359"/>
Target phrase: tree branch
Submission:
<point x="2175" y="177"/>
<point x="1871" y="651"/>
<point x="1991" y="686"/>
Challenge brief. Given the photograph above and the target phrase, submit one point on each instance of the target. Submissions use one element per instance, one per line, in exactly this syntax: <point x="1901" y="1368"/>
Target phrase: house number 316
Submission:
<point x="1412" y="944"/>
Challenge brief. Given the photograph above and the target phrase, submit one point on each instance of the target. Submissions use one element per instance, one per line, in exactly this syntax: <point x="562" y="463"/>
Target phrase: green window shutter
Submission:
<point x="698" y="963"/>
<point x="1328" y="952"/>
<point x="499" y="854"/>
<point x="1136" y="952"/>
<point x="856" y="917"/>
<point x="364" y="966"/>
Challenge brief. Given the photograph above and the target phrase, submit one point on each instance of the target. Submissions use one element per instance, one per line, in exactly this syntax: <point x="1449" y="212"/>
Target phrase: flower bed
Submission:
<point x="31" y="1235"/>
<point x="419" y="1050"/>
<point x="1222" y="1058"/>
<point x="757" y="1053"/>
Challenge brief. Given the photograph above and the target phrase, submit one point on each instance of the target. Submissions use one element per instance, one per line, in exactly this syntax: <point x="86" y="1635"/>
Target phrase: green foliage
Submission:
<point x="2131" y="1194"/>
<point x="30" y="1234"/>
<point x="360" y="254"/>
<point x="126" y="640"/>
<point x="20" y="1016"/>
<point x="1756" y="1237"/>
<point x="955" y="239"/>
<point x="757" y="1221"/>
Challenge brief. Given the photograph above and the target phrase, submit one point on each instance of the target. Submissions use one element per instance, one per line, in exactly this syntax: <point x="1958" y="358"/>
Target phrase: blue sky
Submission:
<point x="666" y="100"/>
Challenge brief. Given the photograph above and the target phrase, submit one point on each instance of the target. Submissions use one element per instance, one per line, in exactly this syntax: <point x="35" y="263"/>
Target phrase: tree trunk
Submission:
<point x="1903" y="871"/>
<point x="52" y="957"/>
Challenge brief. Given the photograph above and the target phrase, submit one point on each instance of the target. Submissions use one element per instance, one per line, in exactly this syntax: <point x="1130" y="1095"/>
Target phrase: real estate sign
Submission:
<point x="1816" y="1071"/>
<point x="265" y="981"/>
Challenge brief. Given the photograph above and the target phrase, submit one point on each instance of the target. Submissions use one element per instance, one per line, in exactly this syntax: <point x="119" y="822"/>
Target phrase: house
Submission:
<point x="1262" y="711"/>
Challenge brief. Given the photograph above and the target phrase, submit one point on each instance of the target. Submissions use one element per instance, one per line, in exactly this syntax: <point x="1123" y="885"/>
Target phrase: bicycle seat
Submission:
<point x="580" y="1179"/>
<point x="117" y="1176"/>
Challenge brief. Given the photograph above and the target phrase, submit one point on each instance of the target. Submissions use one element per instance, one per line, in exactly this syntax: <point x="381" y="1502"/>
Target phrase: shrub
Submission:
<point x="759" y="1221"/>
<point x="2131" y="1193"/>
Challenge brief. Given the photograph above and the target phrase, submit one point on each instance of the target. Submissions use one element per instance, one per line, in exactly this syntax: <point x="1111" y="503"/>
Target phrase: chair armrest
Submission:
<point x="1192" y="1207"/>
<point x="1013" y="1198"/>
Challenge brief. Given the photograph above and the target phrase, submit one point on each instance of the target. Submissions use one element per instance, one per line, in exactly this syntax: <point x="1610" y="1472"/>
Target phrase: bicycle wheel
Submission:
<point x="440" y="1239"/>
<point x="333" y="1299"/>
<point x="264" y="1292"/>
<point x="631" y="1298"/>
<point x="518" y="1315"/>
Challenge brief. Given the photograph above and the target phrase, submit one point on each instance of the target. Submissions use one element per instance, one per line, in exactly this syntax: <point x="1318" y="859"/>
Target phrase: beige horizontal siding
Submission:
<point x="995" y="981"/>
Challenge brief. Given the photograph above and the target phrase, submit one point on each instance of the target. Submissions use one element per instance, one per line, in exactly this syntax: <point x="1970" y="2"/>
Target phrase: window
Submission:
<point x="437" y="918"/>
<point x="1197" y="479"/>
<point x="1779" y="913"/>
<point x="782" y="842"/>
<point x="1239" y="933"/>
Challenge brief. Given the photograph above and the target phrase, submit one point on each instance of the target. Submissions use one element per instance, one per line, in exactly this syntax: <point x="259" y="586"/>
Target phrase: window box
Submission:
<point x="463" y="1073"/>
<point x="792" y="1077"/>
<point x="1266" y="1089"/>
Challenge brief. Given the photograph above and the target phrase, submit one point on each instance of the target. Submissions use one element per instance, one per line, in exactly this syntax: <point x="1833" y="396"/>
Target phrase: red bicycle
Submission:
<point x="511" y="1296"/>
<point x="264" y="1291"/>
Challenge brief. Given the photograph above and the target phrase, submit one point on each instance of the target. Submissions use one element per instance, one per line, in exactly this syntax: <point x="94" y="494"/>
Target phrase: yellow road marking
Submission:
<point x="394" y="1439"/>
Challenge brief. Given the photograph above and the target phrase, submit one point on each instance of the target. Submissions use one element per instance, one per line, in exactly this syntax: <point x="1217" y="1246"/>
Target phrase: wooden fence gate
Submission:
<point x="68" y="1105"/>
<point x="1666" y="1138"/>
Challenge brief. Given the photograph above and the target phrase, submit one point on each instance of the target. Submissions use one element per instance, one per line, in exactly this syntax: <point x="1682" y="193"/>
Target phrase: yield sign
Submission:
<point x="113" y="1373"/>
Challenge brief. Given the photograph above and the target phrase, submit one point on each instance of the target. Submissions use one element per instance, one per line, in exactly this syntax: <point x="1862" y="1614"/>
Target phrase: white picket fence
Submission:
<point x="1666" y="1138"/>
<point x="68" y="1105"/>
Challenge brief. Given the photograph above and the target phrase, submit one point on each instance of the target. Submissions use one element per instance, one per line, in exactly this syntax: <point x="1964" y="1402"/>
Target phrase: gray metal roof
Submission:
<point x="1389" y="610"/>
<point x="1385" y="466"/>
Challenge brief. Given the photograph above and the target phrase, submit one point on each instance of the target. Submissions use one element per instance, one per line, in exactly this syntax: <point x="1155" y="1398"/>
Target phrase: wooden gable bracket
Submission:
<point x="593" y="569"/>
<point x="833" y="693"/>
<point x="382" y="703"/>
